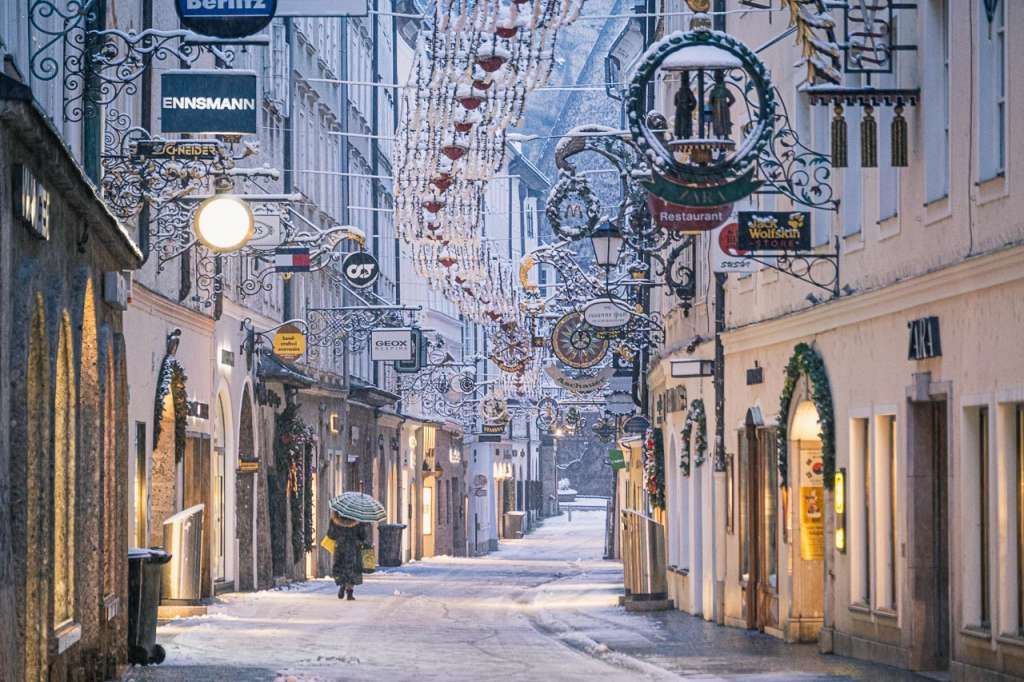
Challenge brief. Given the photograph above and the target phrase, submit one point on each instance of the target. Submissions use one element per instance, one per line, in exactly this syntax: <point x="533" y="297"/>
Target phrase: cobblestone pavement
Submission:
<point x="542" y="608"/>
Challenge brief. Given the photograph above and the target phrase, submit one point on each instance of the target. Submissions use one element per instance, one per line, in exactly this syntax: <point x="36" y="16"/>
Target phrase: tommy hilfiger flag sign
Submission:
<point x="291" y="259"/>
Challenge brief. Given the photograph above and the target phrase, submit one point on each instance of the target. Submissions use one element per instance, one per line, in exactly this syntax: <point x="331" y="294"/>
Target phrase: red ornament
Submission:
<point x="447" y="261"/>
<point x="454" y="151"/>
<point x="506" y="31"/>
<point x="433" y="206"/>
<point x="470" y="101"/>
<point x="464" y="126"/>
<point x="442" y="182"/>
<point x="490" y="63"/>
<point x="482" y="85"/>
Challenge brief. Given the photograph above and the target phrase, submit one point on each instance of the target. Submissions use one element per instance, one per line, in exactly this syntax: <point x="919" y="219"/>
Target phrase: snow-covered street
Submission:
<point x="541" y="608"/>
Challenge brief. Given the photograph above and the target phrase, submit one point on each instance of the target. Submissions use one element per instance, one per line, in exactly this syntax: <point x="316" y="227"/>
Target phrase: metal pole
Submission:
<point x="719" y="378"/>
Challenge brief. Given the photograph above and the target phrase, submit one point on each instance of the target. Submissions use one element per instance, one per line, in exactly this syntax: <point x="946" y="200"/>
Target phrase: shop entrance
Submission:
<point x="807" y="490"/>
<point x="759" y="465"/>
<point x="929" y="543"/>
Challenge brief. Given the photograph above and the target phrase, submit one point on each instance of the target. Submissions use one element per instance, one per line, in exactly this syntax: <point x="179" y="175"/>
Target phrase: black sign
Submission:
<point x="924" y="339"/>
<point x="774" y="231"/>
<point x="31" y="201"/>
<point x="206" y="150"/>
<point x="636" y="425"/>
<point x="198" y="410"/>
<point x="360" y="269"/>
<point x="487" y="438"/>
<point x="193" y="101"/>
<point x="419" y="355"/>
<point x="226" y="18"/>
<point x="755" y="375"/>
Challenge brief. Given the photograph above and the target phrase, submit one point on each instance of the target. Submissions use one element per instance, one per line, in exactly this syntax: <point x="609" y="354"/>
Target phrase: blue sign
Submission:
<point x="215" y="101"/>
<point x="226" y="18"/>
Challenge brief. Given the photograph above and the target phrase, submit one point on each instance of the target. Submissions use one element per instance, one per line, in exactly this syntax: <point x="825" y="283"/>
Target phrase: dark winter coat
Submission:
<point x="347" y="568"/>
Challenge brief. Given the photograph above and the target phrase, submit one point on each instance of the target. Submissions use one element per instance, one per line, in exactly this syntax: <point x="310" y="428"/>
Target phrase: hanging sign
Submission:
<point x="616" y="459"/>
<point x="620" y="403"/>
<point x="391" y="344"/>
<point x="291" y="259"/>
<point x="494" y="429"/>
<point x="321" y="8"/>
<point x="725" y="256"/>
<point x="226" y="18"/>
<point x="606" y="313"/>
<point x="774" y="231"/>
<point x="289" y="342"/>
<point x="204" y="150"/>
<point x="418" y="359"/>
<point x="636" y="425"/>
<point x="677" y="218"/>
<point x="581" y="384"/>
<point x="575" y="342"/>
<point x="360" y="269"/>
<point x="208" y="101"/>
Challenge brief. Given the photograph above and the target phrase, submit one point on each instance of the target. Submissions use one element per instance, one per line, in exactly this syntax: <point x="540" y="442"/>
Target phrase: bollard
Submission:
<point x="570" y="514"/>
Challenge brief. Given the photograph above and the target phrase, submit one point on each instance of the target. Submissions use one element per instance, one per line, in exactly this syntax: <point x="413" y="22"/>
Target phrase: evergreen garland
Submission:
<point x="806" y="360"/>
<point x="695" y="415"/>
<point x="291" y="455"/>
<point x="654" y="468"/>
<point x="171" y="379"/>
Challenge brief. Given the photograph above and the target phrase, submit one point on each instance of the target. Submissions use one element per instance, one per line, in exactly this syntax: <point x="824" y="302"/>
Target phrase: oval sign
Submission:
<point x="606" y="314"/>
<point x="686" y="219"/>
<point x="226" y="18"/>
<point x="289" y="342"/>
<point x="360" y="269"/>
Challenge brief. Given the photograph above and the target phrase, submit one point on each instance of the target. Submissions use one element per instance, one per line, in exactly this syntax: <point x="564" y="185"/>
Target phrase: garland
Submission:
<point x="694" y="415"/>
<point x="291" y="455"/>
<point x="654" y="468"/>
<point x="806" y="360"/>
<point x="171" y="379"/>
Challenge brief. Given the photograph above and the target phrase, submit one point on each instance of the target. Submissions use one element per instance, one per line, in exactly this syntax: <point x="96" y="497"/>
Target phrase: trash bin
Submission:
<point x="144" y="568"/>
<point x="514" y="524"/>
<point x="390" y="541"/>
<point x="183" y="538"/>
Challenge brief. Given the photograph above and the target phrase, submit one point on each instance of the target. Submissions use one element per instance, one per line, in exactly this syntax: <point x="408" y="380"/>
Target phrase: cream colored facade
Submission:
<point x="931" y="449"/>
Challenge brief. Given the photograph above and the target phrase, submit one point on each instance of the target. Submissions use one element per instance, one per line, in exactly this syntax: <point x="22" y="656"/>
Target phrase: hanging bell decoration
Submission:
<point x="868" y="139"/>
<point x="838" y="138"/>
<point x="898" y="138"/>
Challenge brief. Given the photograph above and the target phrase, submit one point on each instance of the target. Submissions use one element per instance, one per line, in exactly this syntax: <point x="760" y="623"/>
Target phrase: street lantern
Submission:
<point x="223" y="223"/>
<point x="607" y="243"/>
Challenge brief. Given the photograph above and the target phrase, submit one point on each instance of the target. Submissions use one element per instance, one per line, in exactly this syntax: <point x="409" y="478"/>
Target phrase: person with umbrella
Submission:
<point x="351" y="515"/>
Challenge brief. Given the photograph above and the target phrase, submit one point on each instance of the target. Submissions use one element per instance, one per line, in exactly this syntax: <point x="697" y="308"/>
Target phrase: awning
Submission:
<point x="371" y="395"/>
<point x="272" y="368"/>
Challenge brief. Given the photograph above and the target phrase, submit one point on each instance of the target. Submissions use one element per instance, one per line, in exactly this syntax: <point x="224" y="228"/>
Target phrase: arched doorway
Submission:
<point x="807" y="489"/>
<point x="759" y="486"/>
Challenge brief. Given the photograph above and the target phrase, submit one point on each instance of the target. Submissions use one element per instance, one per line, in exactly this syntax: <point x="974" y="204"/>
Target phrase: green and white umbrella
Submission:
<point x="358" y="507"/>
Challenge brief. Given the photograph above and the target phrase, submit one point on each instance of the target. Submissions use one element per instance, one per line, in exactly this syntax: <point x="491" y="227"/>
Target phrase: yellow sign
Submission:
<point x="812" y="522"/>
<point x="289" y="342"/>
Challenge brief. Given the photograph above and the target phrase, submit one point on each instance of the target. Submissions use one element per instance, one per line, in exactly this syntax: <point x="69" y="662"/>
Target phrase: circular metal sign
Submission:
<point x="606" y="313"/>
<point x="360" y="269"/>
<point x="289" y="342"/>
<point x="226" y="19"/>
<point x="574" y="342"/>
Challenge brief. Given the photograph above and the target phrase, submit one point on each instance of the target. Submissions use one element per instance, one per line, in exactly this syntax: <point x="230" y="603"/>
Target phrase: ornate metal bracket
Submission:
<point x="805" y="267"/>
<point x="349" y="327"/>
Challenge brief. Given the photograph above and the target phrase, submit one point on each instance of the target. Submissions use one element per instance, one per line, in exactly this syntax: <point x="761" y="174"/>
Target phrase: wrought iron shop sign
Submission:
<point x="289" y="342"/>
<point x="31" y="201"/>
<point x="360" y="269"/>
<point x="226" y="18"/>
<point x="580" y="384"/>
<point x="194" y="101"/>
<point x="606" y="313"/>
<point x="774" y="231"/>
<point x="725" y="257"/>
<point x="391" y="344"/>
<point x="198" y="150"/>
<point x="925" y="341"/>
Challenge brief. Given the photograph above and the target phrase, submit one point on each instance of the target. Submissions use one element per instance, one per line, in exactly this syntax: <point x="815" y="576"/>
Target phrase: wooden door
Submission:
<point x="767" y="530"/>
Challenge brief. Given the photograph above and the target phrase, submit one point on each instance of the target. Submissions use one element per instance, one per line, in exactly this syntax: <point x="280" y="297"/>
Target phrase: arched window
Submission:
<point x="64" y="477"/>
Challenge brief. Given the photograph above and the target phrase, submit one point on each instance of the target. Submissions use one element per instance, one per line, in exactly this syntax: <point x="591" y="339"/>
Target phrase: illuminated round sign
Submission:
<point x="226" y="18"/>
<point x="289" y="342"/>
<point x="606" y="313"/>
<point x="360" y="269"/>
<point x="575" y="342"/>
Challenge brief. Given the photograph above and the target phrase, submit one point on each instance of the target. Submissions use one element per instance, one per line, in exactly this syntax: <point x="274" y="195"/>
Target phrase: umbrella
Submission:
<point x="357" y="506"/>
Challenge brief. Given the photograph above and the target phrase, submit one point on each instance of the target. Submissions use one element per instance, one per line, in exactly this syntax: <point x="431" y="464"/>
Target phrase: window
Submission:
<point x="888" y="175"/>
<point x="768" y="445"/>
<point x="885" y="511"/>
<point x="850" y="201"/>
<point x="992" y="92"/>
<point x="428" y="510"/>
<point x="742" y="516"/>
<point x="860" y="512"/>
<point x="985" y="610"/>
<point x="936" y="89"/>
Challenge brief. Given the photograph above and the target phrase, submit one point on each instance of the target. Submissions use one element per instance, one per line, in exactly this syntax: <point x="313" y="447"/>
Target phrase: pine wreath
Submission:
<point x="654" y="468"/>
<point x="695" y="415"/>
<point x="171" y="379"/>
<point x="806" y="360"/>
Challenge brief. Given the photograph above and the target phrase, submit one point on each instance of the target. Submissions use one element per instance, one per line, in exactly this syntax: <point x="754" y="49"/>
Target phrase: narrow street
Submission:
<point x="541" y="608"/>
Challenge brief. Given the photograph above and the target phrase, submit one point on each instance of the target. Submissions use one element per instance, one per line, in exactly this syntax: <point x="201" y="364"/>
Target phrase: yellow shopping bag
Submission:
<point x="328" y="544"/>
<point x="369" y="560"/>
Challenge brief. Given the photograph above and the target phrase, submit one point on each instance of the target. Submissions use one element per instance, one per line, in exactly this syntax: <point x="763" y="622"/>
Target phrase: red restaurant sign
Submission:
<point x="676" y="218"/>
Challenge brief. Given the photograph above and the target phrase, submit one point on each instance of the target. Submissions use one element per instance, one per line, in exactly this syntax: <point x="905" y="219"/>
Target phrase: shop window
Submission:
<point x="768" y="446"/>
<point x="742" y="515"/>
<point x="983" y="526"/>
<point x="64" y="478"/>
<point x="859" y="496"/>
<point x="977" y="573"/>
<point x="1019" y="508"/>
<point x="885" y="509"/>
<point x="428" y="510"/>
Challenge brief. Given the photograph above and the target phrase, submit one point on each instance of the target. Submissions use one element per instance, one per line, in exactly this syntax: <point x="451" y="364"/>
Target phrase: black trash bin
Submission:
<point x="145" y="567"/>
<point x="390" y="540"/>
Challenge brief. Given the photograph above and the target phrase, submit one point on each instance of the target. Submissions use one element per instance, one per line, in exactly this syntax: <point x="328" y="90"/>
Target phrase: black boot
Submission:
<point x="349" y="596"/>
<point x="341" y="591"/>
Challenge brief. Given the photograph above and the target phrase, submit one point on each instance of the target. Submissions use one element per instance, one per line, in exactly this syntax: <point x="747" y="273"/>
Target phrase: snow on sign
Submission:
<point x="322" y="8"/>
<point x="725" y="256"/>
<point x="676" y="218"/>
<point x="226" y="18"/>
